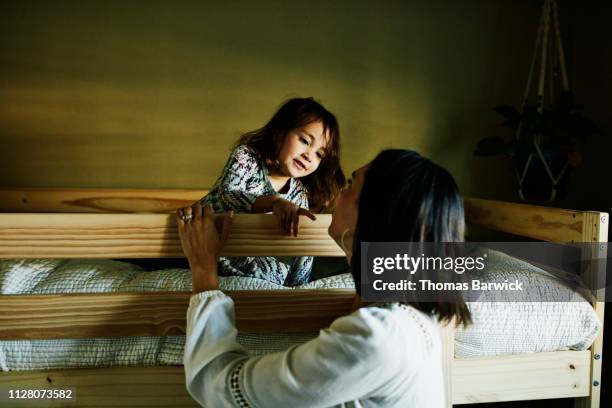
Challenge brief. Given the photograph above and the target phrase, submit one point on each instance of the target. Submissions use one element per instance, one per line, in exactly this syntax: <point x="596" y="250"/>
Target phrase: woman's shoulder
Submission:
<point x="386" y="327"/>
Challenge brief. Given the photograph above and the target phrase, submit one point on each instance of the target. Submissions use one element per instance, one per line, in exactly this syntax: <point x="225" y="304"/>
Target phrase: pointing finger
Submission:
<point x="307" y="213"/>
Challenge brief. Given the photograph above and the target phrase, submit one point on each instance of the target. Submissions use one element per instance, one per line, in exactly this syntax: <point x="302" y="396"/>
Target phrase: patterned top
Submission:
<point x="244" y="178"/>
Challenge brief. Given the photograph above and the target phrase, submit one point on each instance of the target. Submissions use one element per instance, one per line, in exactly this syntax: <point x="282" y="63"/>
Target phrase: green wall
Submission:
<point x="152" y="94"/>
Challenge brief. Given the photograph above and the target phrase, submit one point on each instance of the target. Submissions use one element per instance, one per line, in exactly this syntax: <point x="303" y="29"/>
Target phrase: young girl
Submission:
<point x="288" y="167"/>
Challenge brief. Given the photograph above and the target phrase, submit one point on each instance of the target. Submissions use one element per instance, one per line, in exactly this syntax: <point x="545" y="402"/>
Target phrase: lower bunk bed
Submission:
<point x="113" y="331"/>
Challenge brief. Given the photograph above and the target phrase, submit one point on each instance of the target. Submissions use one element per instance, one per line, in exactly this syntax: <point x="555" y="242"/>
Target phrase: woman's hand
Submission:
<point x="202" y="242"/>
<point x="289" y="215"/>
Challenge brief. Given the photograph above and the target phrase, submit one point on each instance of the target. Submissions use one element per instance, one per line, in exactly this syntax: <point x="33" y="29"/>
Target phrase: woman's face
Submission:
<point x="347" y="205"/>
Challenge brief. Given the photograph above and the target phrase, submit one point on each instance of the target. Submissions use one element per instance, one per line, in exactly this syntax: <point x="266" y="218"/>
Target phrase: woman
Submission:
<point x="378" y="356"/>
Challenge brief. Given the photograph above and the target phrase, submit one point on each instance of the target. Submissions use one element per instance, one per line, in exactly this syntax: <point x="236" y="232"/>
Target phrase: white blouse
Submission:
<point x="381" y="356"/>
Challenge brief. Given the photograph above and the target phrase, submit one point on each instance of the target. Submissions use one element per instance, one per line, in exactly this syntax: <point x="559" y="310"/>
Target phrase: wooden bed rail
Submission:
<point x="57" y="235"/>
<point x="477" y="380"/>
<point x="150" y="236"/>
<point x="95" y="200"/>
<point x="531" y="221"/>
<point x="28" y="317"/>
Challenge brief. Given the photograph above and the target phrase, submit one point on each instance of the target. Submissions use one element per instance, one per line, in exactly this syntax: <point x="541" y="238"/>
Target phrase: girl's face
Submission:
<point x="303" y="150"/>
<point x="347" y="209"/>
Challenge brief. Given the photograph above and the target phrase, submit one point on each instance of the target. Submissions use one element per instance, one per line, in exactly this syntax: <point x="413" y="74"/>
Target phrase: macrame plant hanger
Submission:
<point x="545" y="47"/>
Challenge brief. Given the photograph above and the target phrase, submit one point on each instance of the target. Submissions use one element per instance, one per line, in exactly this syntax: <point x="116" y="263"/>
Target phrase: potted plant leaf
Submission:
<point x="544" y="147"/>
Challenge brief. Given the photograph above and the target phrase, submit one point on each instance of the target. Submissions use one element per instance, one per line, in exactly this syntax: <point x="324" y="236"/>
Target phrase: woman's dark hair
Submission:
<point x="325" y="183"/>
<point x="408" y="198"/>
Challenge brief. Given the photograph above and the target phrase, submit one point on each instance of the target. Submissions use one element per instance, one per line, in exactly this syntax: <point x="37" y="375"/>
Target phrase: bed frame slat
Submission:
<point x="558" y="374"/>
<point x="155" y="235"/>
<point x="487" y="379"/>
<point x="27" y="317"/>
<point x="93" y="200"/>
<point x="154" y="386"/>
<point x="530" y="221"/>
<point x="538" y="222"/>
<point x="150" y="236"/>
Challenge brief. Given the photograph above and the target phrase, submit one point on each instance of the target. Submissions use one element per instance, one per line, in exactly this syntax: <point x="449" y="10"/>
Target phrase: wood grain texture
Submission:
<point x="155" y="235"/>
<point x="595" y="230"/>
<point x="93" y="200"/>
<point x="545" y="223"/>
<point x="447" y="334"/>
<point x="530" y="221"/>
<point x="559" y="374"/>
<point x="150" y="236"/>
<point x="487" y="379"/>
<point x="30" y="317"/>
<point x="155" y="386"/>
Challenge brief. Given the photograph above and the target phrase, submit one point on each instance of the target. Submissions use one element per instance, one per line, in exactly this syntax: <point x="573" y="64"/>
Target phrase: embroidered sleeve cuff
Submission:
<point x="236" y="378"/>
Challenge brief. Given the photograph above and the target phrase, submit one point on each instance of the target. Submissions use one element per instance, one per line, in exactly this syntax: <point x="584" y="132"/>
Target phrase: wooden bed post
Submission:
<point x="595" y="230"/>
<point x="448" y="357"/>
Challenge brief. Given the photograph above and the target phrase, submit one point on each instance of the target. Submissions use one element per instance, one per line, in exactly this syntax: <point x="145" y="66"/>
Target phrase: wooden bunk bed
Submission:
<point x="88" y="223"/>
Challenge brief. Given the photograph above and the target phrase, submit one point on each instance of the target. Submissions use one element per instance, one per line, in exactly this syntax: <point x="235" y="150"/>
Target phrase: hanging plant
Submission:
<point x="543" y="142"/>
<point x="558" y="132"/>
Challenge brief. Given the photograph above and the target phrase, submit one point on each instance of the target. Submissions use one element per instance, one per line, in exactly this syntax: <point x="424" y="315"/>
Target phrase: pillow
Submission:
<point x="506" y="327"/>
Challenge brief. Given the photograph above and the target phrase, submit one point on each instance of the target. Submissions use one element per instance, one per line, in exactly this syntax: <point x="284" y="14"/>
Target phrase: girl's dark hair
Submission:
<point x="325" y="183"/>
<point x="408" y="198"/>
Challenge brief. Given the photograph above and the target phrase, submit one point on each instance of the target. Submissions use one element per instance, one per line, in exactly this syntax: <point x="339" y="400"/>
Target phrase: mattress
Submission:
<point x="498" y="327"/>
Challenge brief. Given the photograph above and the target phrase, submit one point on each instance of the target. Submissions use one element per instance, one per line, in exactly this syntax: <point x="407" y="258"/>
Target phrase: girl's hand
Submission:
<point x="289" y="215"/>
<point x="202" y="242"/>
